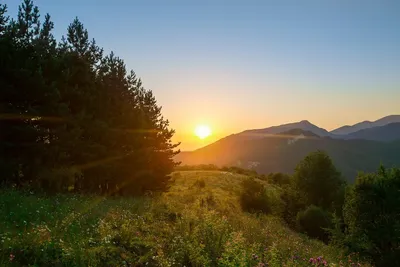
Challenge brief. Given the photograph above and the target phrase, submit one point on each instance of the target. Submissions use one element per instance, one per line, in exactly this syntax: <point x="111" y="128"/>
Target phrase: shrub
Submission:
<point x="200" y="183"/>
<point x="278" y="178"/>
<point x="293" y="202"/>
<point x="318" y="180"/>
<point x="256" y="198"/>
<point x="313" y="221"/>
<point x="372" y="215"/>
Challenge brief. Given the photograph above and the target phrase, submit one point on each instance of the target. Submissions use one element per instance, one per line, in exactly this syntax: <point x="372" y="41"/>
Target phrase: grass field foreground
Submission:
<point x="199" y="222"/>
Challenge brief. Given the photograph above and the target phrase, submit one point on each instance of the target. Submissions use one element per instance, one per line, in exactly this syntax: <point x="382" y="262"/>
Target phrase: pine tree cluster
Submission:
<point x="72" y="118"/>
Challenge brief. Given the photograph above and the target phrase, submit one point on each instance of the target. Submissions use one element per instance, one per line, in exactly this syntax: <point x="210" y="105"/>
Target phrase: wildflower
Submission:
<point x="12" y="256"/>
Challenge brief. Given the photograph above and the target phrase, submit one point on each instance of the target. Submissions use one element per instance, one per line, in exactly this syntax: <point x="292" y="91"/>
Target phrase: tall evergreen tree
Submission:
<point x="73" y="119"/>
<point x="27" y="97"/>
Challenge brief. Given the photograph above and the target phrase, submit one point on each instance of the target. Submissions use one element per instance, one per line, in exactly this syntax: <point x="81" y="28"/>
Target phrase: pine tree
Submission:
<point x="3" y="18"/>
<point x="26" y="97"/>
<point x="72" y="118"/>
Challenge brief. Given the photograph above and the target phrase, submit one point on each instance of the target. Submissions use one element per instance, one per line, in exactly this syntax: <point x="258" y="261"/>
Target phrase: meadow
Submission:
<point x="197" y="222"/>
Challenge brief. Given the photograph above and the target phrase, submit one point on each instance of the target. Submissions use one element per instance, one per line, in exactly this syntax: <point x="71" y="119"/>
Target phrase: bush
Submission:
<point x="372" y="215"/>
<point x="200" y="183"/>
<point x="318" y="181"/>
<point x="256" y="198"/>
<point x="293" y="202"/>
<point x="313" y="221"/>
<point x="278" y="178"/>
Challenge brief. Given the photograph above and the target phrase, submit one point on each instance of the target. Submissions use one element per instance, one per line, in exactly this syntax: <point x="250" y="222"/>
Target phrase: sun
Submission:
<point x="202" y="131"/>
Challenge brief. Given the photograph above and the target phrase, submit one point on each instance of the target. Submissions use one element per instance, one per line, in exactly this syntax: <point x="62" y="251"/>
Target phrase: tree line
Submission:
<point x="363" y="217"/>
<point x="74" y="118"/>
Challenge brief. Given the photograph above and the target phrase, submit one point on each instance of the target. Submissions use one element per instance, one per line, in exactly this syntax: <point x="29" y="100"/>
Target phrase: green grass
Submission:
<point x="199" y="222"/>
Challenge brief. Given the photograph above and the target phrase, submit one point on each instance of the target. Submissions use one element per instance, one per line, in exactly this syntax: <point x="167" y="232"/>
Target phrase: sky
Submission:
<point x="237" y="65"/>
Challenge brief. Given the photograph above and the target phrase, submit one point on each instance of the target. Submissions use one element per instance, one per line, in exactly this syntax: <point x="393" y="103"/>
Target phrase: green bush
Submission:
<point x="318" y="180"/>
<point x="200" y="183"/>
<point x="372" y="215"/>
<point x="256" y="198"/>
<point x="313" y="221"/>
<point x="293" y="202"/>
<point x="278" y="178"/>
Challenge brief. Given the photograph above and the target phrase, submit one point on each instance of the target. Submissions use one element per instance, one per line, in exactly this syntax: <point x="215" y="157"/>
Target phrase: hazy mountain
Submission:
<point x="302" y="125"/>
<point x="299" y="132"/>
<point x="389" y="132"/>
<point x="345" y="130"/>
<point x="281" y="152"/>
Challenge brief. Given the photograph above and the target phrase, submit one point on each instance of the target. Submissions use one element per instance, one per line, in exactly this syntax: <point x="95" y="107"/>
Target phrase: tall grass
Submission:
<point x="199" y="222"/>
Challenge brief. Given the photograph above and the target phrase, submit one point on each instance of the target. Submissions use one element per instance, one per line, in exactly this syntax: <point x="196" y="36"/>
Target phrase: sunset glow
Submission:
<point x="202" y="131"/>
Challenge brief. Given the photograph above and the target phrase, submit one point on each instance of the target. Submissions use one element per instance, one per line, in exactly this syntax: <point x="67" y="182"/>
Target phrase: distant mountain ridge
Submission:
<point x="347" y="129"/>
<point x="356" y="131"/>
<point x="302" y="125"/>
<point x="280" y="148"/>
<point x="389" y="132"/>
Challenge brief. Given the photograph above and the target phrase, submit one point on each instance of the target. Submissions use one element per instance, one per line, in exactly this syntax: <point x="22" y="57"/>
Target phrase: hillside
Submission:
<point x="281" y="153"/>
<point x="199" y="222"/>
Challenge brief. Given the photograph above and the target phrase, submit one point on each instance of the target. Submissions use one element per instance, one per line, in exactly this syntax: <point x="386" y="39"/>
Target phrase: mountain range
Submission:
<point x="385" y="129"/>
<point x="347" y="129"/>
<point x="360" y="147"/>
<point x="303" y="125"/>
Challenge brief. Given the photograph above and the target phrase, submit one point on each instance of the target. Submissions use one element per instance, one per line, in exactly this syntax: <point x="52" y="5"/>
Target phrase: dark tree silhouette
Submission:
<point x="73" y="118"/>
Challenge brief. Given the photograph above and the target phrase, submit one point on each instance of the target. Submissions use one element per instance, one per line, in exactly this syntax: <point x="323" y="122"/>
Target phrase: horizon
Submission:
<point x="329" y="130"/>
<point x="251" y="64"/>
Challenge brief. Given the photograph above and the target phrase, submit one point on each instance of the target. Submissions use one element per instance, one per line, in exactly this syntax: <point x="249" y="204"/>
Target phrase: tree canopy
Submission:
<point x="372" y="215"/>
<point x="73" y="118"/>
<point x="318" y="180"/>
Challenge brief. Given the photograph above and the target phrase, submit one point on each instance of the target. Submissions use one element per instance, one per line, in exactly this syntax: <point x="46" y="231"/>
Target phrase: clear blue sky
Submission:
<point x="248" y="64"/>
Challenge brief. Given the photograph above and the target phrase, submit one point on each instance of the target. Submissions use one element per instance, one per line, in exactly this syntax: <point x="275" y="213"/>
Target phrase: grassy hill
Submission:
<point x="199" y="222"/>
